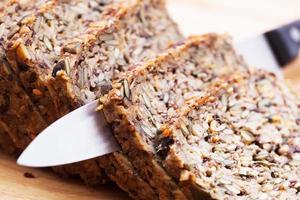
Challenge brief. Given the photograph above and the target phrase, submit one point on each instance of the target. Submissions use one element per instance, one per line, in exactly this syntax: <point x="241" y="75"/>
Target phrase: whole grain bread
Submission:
<point x="150" y="96"/>
<point x="236" y="139"/>
<point x="61" y="65"/>
<point x="115" y="45"/>
<point x="238" y="143"/>
<point x="20" y="121"/>
<point x="36" y="45"/>
<point x="193" y="123"/>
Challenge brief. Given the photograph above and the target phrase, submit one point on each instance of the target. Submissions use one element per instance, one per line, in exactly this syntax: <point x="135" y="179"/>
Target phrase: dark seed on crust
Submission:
<point x="164" y="146"/>
<point x="61" y="65"/>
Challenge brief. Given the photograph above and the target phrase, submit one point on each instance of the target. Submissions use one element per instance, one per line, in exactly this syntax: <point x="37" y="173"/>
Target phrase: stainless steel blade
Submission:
<point x="80" y="135"/>
<point x="257" y="53"/>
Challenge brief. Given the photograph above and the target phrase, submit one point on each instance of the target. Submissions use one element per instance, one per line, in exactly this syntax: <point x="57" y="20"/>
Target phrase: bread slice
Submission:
<point x="19" y="119"/>
<point x="150" y="96"/>
<point x="241" y="144"/>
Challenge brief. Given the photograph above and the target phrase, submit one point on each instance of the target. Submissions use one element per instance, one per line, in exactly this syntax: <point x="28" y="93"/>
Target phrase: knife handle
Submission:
<point x="285" y="42"/>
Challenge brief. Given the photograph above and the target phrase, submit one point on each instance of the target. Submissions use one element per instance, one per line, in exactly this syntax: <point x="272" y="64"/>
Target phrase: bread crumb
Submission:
<point x="29" y="175"/>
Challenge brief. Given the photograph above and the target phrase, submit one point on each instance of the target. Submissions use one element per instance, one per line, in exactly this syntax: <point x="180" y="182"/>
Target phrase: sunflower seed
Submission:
<point x="37" y="24"/>
<point x="233" y="189"/>
<point x="14" y="29"/>
<point x="184" y="129"/>
<point x="126" y="88"/>
<point x="146" y="100"/>
<point x="147" y="131"/>
<point x="48" y="16"/>
<point x="48" y="43"/>
<point x="72" y="48"/>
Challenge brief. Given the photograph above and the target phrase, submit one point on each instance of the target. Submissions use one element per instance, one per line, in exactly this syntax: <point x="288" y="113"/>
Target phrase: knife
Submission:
<point x="272" y="50"/>
<point x="80" y="135"/>
<point x="83" y="134"/>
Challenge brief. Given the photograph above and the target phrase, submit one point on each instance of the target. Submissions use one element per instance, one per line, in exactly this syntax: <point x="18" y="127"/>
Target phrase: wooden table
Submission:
<point x="47" y="186"/>
<point x="240" y="18"/>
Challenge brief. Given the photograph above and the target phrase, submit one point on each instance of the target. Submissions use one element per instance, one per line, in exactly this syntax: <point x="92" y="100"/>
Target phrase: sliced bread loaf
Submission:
<point x="19" y="119"/>
<point x="140" y="31"/>
<point x="150" y="96"/>
<point x="36" y="34"/>
<point x="57" y="86"/>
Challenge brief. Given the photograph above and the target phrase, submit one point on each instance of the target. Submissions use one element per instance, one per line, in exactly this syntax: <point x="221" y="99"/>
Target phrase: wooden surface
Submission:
<point x="240" y="18"/>
<point x="47" y="186"/>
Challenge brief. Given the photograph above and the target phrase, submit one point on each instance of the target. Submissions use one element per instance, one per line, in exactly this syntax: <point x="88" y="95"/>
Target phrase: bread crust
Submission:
<point x="20" y="120"/>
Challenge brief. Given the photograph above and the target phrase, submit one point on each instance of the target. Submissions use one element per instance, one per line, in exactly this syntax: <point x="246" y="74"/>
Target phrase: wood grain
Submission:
<point x="47" y="186"/>
<point x="239" y="18"/>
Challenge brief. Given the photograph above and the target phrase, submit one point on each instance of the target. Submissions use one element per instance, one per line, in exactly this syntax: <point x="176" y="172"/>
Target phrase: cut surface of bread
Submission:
<point x="36" y="45"/>
<point x="238" y="138"/>
<point x="139" y="30"/>
<point x="241" y="144"/>
<point x="139" y="106"/>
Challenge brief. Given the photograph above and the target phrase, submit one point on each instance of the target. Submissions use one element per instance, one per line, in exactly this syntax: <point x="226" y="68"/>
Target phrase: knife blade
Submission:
<point x="257" y="53"/>
<point x="83" y="134"/>
<point x="80" y="135"/>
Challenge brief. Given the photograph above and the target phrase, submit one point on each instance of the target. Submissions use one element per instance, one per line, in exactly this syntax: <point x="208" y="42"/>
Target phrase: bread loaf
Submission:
<point x="152" y="95"/>
<point x="66" y="54"/>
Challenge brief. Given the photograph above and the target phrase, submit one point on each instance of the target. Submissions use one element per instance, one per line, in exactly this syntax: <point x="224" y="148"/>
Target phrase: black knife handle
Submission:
<point x="285" y="42"/>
